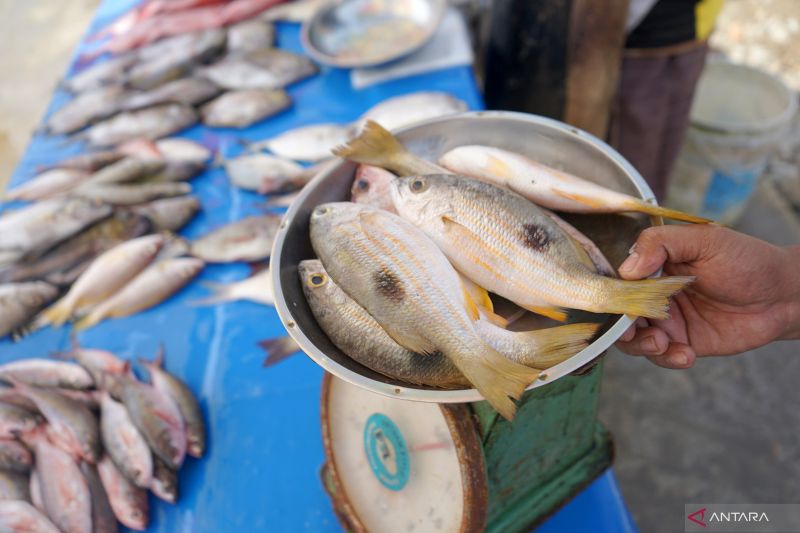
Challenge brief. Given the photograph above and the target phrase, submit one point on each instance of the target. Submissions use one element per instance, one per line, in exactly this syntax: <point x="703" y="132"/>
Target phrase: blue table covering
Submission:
<point x="261" y="471"/>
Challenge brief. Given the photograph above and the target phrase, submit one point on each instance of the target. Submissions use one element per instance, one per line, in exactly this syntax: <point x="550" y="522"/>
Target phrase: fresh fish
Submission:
<point x="152" y="286"/>
<point x="259" y="69"/>
<point x="151" y="123"/>
<point x="250" y="35"/>
<point x="35" y="489"/>
<point x="189" y="91"/>
<point x="283" y="200"/>
<point x="307" y="143"/>
<point x="261" y="172"/>
<point x="123" y="442"/>
<point x="257" y="288"/>
<point x="404" y="110"/>
<point x="71" y="425"/>
<point x="14" y="457"/>
<point x="405" y="282"/>
<point x="175" y="171"/>
<point x="198" y="46"/>
<point x="106" y="275"/>
<point x="123" y="171"/>
<point x="176" y="246"/>
<point x="128" y="501"/>
<point x="14" y="421"/>
<point x="508" y="245"/>
<point x="278" y="349"/>
<point x="158" y="418"/>
<point x="14" y="486"/>
<point x="239" y="109"/>
<point x="19" y="303"/>
<point x="134" y="193"/>
<point x="371" y="187"/>
<point x="47" y="373"/>
<point x="141" y="148"/>
<point x="65" y="493"/>
<point x="297" y="11"/>
<point x="17" y="516"/>
<point x="88" y="162"/>
<point x="169" y="214"/>
<point x="100" y="73"/>
<point x="98" y="363"/>
<point x="35" y="228"/>
<point x="103" y="519"/>
<point x="249" y="239"/>
<point x="548" y="186"/>
<point x="183" y="397"/>
<point x="86" y="108"/>
<point x="165" y="481"/>
<point x="48" y="184"/>
<point x="177" y="150"/>
<point x="87" y="398"/>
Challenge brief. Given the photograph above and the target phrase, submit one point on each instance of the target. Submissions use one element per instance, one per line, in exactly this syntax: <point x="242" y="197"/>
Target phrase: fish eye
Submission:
<point x="418" y="185"/>
<point x="320" y="211"/>
<point x="316" y="280"/>
<point x="363" y="185"/>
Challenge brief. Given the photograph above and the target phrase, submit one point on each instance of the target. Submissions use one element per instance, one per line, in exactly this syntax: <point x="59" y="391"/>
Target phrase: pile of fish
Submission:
<point x="405" y="271"/>
<point x="81" y="444"/>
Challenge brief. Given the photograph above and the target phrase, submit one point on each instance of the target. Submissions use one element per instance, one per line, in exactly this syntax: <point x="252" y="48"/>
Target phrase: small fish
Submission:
<point x="47" y="373"/>
<point x="189" y="91"/>
<point x="14" y="486"/>
<point x="14" y="457"/>
<point x="124" y="171"/>
<point x="123" y="442"/>
<point x="14" y="421"/>
<point x="371" y="187"/>
<point x="249" y="239"/>
<point x="548" y="186"/>
<point x="106" y="275"/>
<point x="261" y="172"/>
<point x="152" y="286"/>
<point x="35" y="489"/>
<point x="151" y="123"/>
<point x="239" y="109"/>
<point x="404" y="110"/>
<point x="169" y="214"/>
<point x="297" y="11"/>
<point x="88" y="162"/>
<point x="283" y="200"/>
<point x="389" y="267"/>
<point x="158" y="418"/>
<point x="265" y="69"/>
<point x="103" y="519"/>
<point x="250" y="35"/>
<point x="179" y="150"/>
<point x="19" y="303"/>
<point x="508" y="245"/>
<point x="98" y="363"/>
<point x="183" y="397"/>
<point x="48" y="184"/>
<point x="165" y="481"/>
<point x="128" y="501"/>
<point x="18" y="516"/>
<point x="65" y="493"/>
<point x="134" y="193"/>
<point x="306" y="143"/>
<point x="278" y="349"/>
<point x="257" y="288"/>
<point x="86" y="108"/>
<point x="175" y="171"/>
<point x="100" y="73"/>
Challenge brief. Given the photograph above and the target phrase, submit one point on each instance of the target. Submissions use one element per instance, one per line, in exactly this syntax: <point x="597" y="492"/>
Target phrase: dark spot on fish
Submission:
<point x="363" y="185"/>
<point x="389" y="285"/>
<point x="535" y="237"/>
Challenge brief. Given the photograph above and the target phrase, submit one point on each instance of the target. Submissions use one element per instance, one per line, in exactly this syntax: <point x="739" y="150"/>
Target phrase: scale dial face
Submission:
<point x="402" y="466"/>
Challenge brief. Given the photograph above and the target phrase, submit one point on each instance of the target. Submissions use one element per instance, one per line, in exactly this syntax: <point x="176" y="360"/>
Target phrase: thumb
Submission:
<point x="658" y="245"/>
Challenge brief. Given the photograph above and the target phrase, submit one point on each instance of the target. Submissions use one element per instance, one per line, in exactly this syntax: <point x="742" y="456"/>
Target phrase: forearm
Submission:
<point x="791" y="278"/>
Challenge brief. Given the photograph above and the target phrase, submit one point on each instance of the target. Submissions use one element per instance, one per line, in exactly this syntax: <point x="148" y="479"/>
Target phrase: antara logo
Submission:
<point x="698" y="517"/>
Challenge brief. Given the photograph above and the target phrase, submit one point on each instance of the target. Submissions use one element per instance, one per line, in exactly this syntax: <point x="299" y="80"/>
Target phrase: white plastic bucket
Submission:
<point x="738" y="117"/>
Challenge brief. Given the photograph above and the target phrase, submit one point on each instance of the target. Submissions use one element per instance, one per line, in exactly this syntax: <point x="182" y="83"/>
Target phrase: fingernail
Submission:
<point x="630" y="263"/>
<point x="649" y="344"/>
<point x="678" y="359"/>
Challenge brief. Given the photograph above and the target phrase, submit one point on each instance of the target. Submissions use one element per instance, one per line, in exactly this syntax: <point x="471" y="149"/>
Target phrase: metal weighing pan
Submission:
<point x="549" y="141"/>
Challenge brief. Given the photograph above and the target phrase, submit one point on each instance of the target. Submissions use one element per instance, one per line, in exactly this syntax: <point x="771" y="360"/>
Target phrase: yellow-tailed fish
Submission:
<point x="506" y="244"/>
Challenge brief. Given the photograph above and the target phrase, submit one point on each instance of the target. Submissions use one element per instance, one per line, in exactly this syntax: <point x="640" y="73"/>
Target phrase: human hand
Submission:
<point x="747" y="293"/>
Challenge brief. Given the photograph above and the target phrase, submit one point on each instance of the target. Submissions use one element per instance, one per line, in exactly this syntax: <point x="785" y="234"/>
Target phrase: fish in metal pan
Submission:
<point x="260" y="172"/>
<point x="184" y="398"/>
<point x="65" y="492"/>
<point x="189" y="91"/>
<point x="371" y="187"/>
<point x="547" y="186"/>
<point x="250" y="35"/>
<point x="85" y="109"/>
<point x="133" y="193"/>
<point x="106" y="275"/>
<point x="403" y="110"/>
<point x="14" y="486"/>
<point x="508" y="245"/>
<point x="239" y="109"/>
<point x="39" y="372"/>
<point x="169" y="214"/>
<point x="153" y="285"/>
<point x="393" y="270"/>
<point x="249" y="239"/>
<point x="15" y="421"/>
<point x="19" y="303"/>
<point x="257" y="288"/>
<point x="259" y="69"/>
<point x="306" y="143"/>
<point x="128" y="502"/>
<point x="18" y="516"/>
<point x="151" y="123"/>
<point x="165" y="481"/>
<point x="297" y="11"/>
<point x="181" y="150"/>
<point x="103" y="519"/>
<point x="48" y="184"/>
<point x="124" y="443"/>
<point x="123" y="171"/>
<point x="100" y="73"/>
<point x="15" y="457"/>
<point x="175" y="171"/>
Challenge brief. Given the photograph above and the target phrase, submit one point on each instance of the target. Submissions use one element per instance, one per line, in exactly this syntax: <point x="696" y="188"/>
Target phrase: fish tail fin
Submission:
<point x="278" y="349"/>
<point x="557" y="344"/>
<point x="666" y="212"/>
<point x="647" y="298"/>
<point x="498" y="379"/>
<point x="58" y="313"/>
<point x="159" y="359"/>
<point x="219" y="293"/>
<point x="374" y="146"/>
<point x="87" y="321"/>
